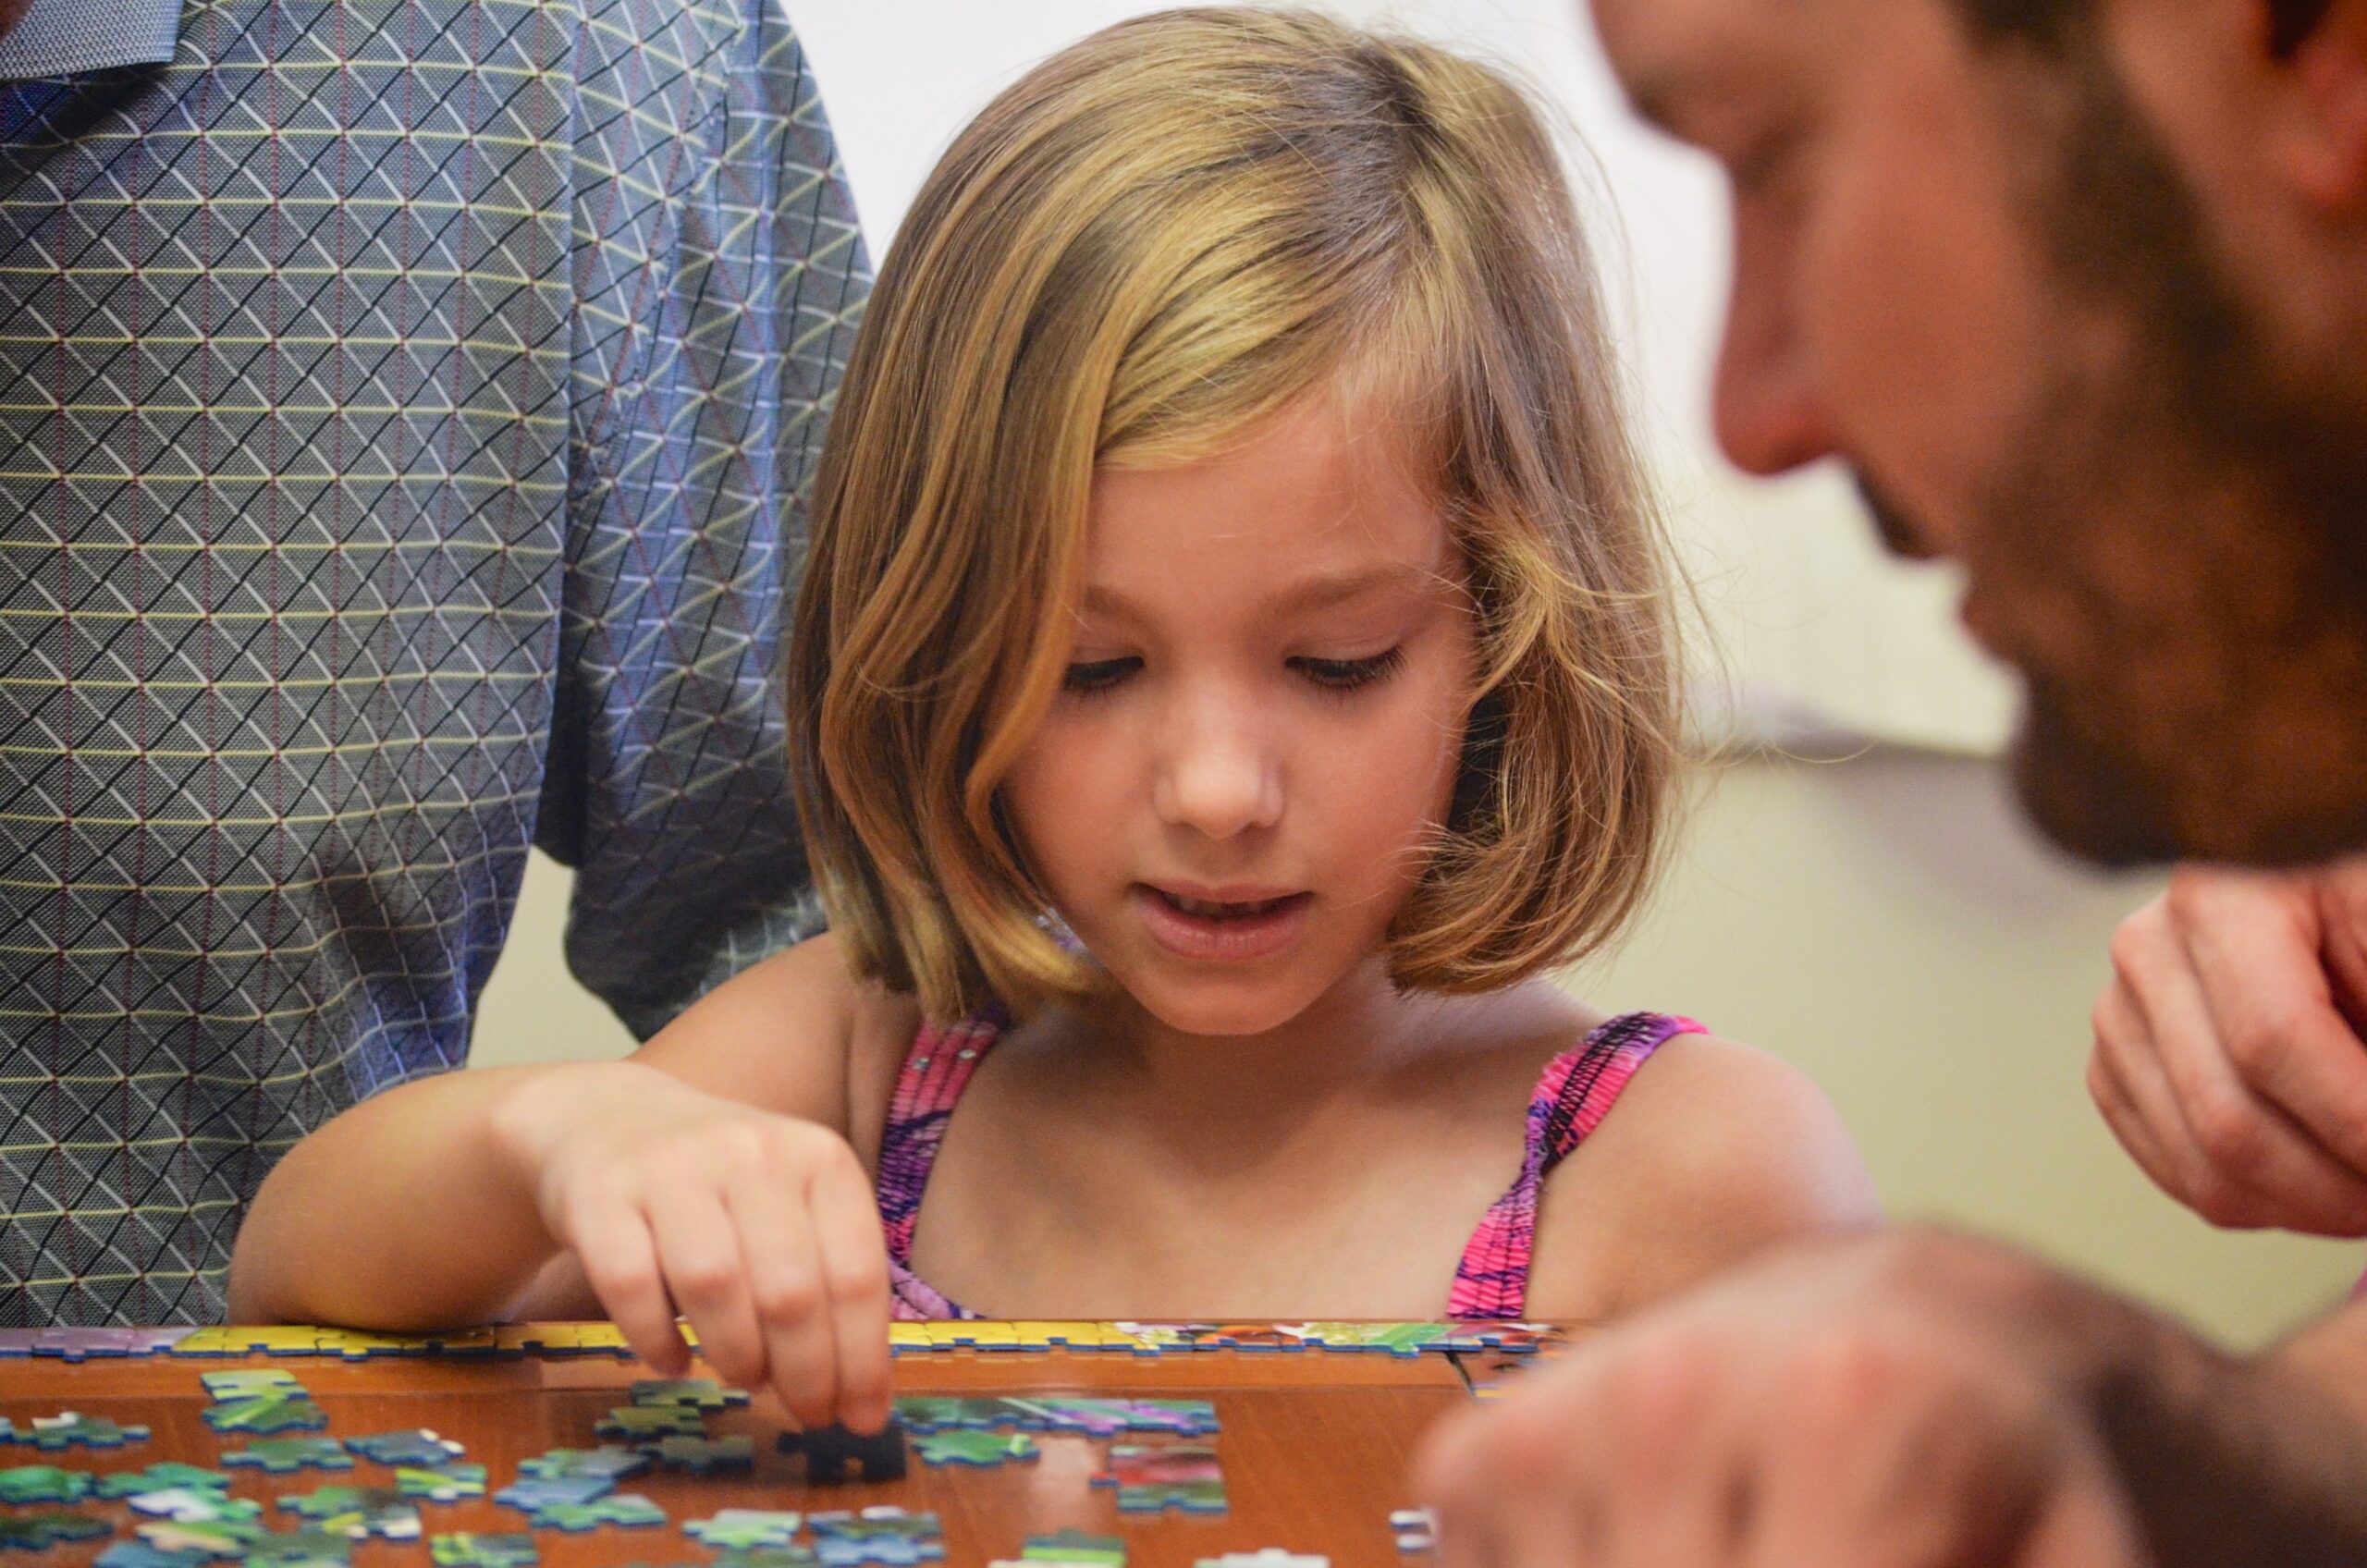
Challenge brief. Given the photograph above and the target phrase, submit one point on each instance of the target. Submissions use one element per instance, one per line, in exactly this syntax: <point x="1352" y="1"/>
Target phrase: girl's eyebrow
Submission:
<point x="1315" y="592"/>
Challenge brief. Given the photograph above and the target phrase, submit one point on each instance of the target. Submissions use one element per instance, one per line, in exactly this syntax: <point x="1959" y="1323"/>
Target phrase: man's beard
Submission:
<point x="2188" y="445"/>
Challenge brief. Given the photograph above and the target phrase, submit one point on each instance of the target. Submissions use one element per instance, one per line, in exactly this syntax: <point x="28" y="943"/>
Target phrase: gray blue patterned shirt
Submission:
<point x="406" y="409"/>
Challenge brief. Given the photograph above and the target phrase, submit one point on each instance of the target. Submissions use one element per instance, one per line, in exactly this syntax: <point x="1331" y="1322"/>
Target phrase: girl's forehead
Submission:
<point x="1311" y="498"/>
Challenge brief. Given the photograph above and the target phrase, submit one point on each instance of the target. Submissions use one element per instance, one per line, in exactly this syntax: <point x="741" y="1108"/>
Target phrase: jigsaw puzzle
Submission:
<point x="418" y="1448"/>
<point x="741" y="1529"/>
<point x="464" y="1549"/>
<point x="69" y="1428"/>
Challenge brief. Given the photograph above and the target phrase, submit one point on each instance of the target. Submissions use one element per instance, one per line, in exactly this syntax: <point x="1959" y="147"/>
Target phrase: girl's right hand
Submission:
<point x="759" y="1228"/>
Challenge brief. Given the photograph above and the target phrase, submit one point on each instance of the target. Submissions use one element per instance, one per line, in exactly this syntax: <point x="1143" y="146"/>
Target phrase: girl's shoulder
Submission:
<point x="1710" y="1151"/>
<point x="800" y="1034"/>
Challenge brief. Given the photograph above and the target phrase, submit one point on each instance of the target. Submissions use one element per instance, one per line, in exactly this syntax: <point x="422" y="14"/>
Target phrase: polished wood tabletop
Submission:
<point x="1313" y="1442"/>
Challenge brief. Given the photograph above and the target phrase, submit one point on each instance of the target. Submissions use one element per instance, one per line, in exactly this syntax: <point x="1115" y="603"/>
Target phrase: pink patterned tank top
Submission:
<point x="1492" y="1282"/>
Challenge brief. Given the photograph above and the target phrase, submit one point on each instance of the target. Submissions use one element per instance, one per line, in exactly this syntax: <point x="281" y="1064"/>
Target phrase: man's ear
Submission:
<point x="2320" y="49"/>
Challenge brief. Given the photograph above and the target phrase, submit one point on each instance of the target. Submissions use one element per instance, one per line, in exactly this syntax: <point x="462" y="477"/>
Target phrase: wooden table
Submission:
<point x="1314" y="1443"/>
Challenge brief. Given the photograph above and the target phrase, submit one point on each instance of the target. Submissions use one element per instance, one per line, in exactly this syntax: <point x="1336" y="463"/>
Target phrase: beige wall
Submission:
<point x="1884" y="923"/>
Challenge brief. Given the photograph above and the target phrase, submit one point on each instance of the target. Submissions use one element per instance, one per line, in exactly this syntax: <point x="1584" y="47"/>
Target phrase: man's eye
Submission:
<point x="1097" y="675"/>
<point x="1348" y="675"/>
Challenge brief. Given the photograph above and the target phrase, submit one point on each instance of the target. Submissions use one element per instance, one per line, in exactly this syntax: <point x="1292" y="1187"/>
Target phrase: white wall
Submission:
<point x="1885" y="921"/>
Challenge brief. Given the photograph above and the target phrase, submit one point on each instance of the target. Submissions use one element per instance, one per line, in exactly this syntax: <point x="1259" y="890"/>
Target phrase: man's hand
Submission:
<point x="1830" y="1409"/>
<point x="1906" y="1401"/>
<point x="2228" y="1056"/>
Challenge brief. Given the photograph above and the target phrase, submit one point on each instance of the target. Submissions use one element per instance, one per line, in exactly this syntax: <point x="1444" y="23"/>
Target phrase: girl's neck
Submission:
<point x="1352" y="1034"/>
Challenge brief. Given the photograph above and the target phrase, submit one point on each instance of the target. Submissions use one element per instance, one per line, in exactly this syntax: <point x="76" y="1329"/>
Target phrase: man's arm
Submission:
<point x="719" y="278"/>
<point x="1913" y="1400"/>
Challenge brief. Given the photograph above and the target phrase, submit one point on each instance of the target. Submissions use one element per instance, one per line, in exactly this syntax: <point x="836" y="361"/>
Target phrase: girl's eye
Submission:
<point x="1097" y="675"/>
<point x="1348" y="675"/>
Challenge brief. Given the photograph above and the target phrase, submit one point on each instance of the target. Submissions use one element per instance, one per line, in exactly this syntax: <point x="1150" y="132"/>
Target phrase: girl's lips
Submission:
<point x="1258" y="932"/>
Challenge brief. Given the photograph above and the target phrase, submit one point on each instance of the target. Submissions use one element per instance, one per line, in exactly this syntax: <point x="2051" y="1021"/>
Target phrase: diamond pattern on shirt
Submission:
<point x="405" y="416"/>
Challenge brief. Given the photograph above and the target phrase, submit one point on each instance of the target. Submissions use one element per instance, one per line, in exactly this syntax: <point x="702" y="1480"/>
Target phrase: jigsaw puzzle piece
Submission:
<point x="299" y="1548"/>
<point x="1075" y="1546"/>
<point x="263" y="1415"/>
<point x="766" y="1557"/>
<point x="693" y="1393"/>
<point x="636" y="1421"/>
<point x="539" y="1494"/>
<point x="277" y="1456"/>
<point x="419" y="1448"/>
<point x="629" y="1510"/>
<point x="979" y="1448"/>
<point x="883" y="1534"/>
<point x="466" y="1550"/>
<point x="69" y="1428"/>
<point x="830" y="1450"/>
<point x="743" y="1529"/>
<point x="39" y="1532"/>
<point x="215" y="1537"/>
<point x="193" y="1505"/>
<point x="43" y="1483"/>
<point x="704" y="1456"/>
<point x="160" y="1477"/>
<point x="607" y="1460"/>
<point x="250" y="1383"/>
<point x="1272" y="1557"/>
<point x="440" y="1483"/>
<point x="140" y="1554"/>
<point x="357" y="1511"/>
<point x="1153" y="1479"/>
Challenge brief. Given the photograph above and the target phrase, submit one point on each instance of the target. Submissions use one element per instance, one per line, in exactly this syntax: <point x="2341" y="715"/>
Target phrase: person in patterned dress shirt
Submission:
<point x="405" y="412"/>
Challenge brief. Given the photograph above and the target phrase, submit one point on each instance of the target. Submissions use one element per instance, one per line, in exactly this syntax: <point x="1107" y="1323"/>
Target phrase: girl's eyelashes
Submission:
<point x="1349" y="675"/>
<point x="1097" y="675"/>
<point x="1093" y="676"/>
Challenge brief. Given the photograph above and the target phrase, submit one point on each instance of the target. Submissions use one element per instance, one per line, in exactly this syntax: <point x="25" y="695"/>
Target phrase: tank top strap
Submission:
<point x="1572" y="1098"/>
<point x="936" y="1070"/>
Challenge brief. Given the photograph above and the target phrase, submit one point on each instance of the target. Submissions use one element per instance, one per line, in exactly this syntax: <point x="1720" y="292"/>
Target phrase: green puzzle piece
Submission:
<point x="43" y="1483"/>
<point x="69" y="1428"/>
<point x="626" y="1509"/>
<point x="215" y="1537"/>
<point x="703" y="1456"/>
<point x="650" y="1421"/>
<point x="279" y="1455"/>
<point x="1075" y="1546"/>
<point x="690" y="1393"/>
<point x="766" y="1557"/>
<point x="299" y="1548"/>
<point x="441" y="1483"/>
<point x="970" y="1447"/>
<point x="163" y="1476"/>
<point x="39" y="1532"/>
<point x="741" y="1529"/>
<point x="249" y="1384"/>
<point x="464" y="1549"/>
<point x="357" y="1511"/>
<point x="278" y="1410"/>
<point x="608" y="1462"/>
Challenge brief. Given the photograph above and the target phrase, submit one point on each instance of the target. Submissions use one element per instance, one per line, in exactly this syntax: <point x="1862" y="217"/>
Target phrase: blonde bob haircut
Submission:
<point x="1156" y="239"/>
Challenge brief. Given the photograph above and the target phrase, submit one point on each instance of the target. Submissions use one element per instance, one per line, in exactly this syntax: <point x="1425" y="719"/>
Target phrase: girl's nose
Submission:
<point x="1218" y="776"/>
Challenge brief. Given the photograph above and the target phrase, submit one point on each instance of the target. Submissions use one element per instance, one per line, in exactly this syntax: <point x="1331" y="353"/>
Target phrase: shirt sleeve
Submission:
<point x="719" y="276"/>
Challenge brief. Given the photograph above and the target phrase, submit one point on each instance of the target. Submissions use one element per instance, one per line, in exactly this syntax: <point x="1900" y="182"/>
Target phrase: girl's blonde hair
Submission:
<point x="1155" y="240"/>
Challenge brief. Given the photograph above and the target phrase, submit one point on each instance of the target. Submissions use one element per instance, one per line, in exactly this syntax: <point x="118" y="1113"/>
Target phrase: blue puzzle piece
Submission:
<point x="608" y="1459"/>
<point x="140" y="1554"/>
<point x="629" y="1510"/>
<point x="539" y="1494"/>
<point x="163" y="1475"/>
<point x="277" y="1456"/>
<point x="417" y="1448"/>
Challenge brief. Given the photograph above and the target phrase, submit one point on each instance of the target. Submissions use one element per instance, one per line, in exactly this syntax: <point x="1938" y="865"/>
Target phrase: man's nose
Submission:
<point x="1769" y="407"/>
<point x="1220" y="775"/>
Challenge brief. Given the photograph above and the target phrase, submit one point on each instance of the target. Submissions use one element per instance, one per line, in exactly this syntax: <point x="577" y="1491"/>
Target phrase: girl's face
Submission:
<point x="1261" y="722"/>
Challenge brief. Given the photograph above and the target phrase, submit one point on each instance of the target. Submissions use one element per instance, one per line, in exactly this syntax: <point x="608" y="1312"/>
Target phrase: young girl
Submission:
<point x="1234" y="667"/>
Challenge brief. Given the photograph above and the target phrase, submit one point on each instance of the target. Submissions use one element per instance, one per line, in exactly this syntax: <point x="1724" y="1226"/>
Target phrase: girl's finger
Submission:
<point x="784" y="1281"/>
<point x="853" y="1262"/>
<point x="620" y="1261"/>
<point x="698" y="1247"/>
